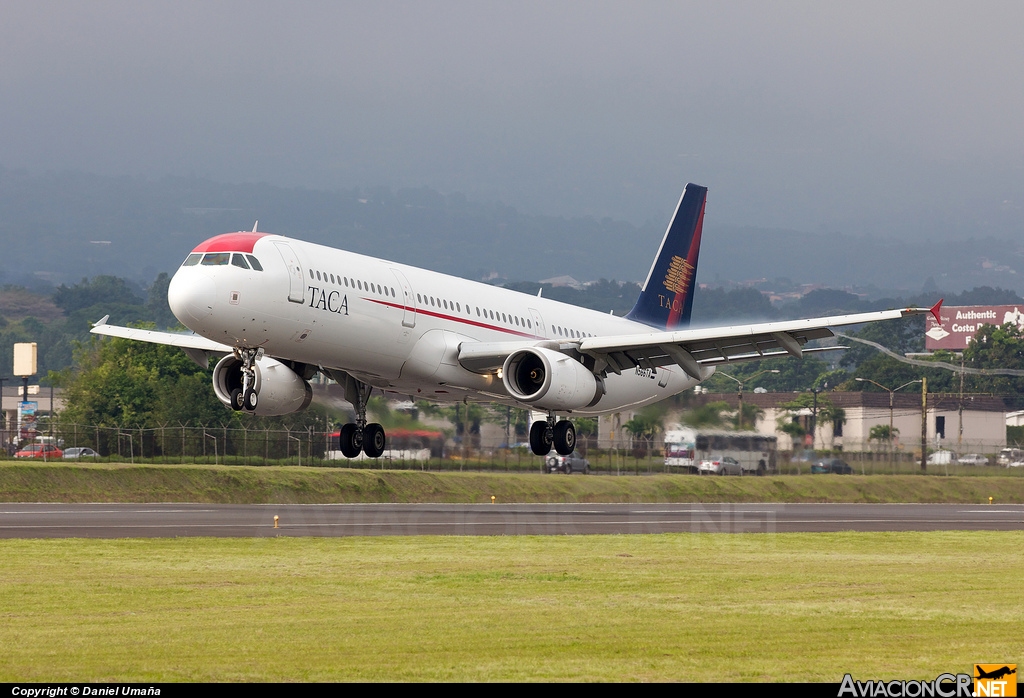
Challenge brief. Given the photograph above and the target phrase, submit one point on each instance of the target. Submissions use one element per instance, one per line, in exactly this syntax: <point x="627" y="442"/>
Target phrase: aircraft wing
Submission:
<point x="693" y="350"/>
<point x="194" y="345"/>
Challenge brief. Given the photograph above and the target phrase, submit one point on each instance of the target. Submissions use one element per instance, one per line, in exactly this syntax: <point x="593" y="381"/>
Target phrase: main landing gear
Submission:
<point x="246" y="397"/>
<point x="544" y="435"/>
<point x="368" y="438"/>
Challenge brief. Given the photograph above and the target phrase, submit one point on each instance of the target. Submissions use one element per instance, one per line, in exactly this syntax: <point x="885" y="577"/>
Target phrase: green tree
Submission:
<point x="997" y="347"/>
<point x="643" y="428"/>
<point x="882" y="432"/>
<point x="121" y="383"/>
<point x="100" y="290"/>
<point x="156" y="302"/>
<point x="709" y="415"/>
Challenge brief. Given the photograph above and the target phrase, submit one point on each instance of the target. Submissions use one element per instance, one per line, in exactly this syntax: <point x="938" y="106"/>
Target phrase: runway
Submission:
<point x="235" y="520"/>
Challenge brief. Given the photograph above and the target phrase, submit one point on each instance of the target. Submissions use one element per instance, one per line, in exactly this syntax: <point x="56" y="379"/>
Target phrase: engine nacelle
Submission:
<point x="550" y="380"/>
<point x="281" y="390"/>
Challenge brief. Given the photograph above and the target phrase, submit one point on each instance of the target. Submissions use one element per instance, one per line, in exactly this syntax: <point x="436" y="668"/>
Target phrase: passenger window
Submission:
<point x="238" y="260"/>
<point x="332" y="278"/>
<point x="216" y="259"/>
<point x="254" y="263"/>
<point x="192" y="260"/>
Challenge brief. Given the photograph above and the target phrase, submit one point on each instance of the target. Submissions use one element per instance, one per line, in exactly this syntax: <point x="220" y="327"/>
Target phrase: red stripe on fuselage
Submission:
<point x="455" y="318"/>
<point x="230" y="242"/>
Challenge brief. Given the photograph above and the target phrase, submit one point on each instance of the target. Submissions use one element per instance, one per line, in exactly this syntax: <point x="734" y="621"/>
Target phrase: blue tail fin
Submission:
<point x="667" y="296"/>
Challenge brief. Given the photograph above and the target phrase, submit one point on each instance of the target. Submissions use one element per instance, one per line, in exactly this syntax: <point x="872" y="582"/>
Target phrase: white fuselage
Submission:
<point x="393" y="326"/>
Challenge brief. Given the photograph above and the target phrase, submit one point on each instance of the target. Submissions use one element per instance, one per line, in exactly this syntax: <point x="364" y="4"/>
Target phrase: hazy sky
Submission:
<point x="890" y="118"/>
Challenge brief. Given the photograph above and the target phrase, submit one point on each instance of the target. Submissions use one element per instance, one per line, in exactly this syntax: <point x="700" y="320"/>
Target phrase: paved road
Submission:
<point x="233" y="520"/>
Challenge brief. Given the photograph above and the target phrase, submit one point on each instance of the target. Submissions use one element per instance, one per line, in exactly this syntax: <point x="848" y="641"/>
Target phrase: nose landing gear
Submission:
<point x="246" y="397"/>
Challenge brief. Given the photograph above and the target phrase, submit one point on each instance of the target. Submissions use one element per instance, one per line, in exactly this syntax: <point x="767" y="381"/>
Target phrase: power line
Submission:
<point x="937" y="364"/>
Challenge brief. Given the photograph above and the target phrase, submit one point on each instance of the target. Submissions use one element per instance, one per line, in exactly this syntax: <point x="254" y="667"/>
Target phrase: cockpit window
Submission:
<point x="238" y="260"/>
<point x="254" y="263"/>
<point x="192" y="260"/>
<point x="216" y="259"/>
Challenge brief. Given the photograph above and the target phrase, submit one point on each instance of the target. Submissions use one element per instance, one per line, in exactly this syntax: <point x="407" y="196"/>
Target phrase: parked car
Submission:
<point x="973" y="459"/>
<point x="44" y="451"/>
<point x="572" y="463"/>
<point x="832" y="465"/>
<point x="76" y="452"/>
<point x="720" y="465"/>
<point x="1010" y="455"/>
<point x="941" y="458"/>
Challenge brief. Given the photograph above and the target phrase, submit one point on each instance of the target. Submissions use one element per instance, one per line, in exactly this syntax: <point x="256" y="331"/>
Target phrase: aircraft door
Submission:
<point x="296" y="284"/>
<point x="408" y="299"/>
<point x="538" y="323"/>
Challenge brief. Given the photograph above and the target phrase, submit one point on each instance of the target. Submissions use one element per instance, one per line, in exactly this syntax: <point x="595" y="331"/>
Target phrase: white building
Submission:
<point x="976" y="424"/>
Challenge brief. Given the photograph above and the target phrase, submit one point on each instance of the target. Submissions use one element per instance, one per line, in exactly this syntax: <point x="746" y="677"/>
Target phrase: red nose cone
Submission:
<point x="230" y="242"/>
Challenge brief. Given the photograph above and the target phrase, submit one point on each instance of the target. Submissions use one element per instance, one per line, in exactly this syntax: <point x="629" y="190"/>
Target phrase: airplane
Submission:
<point x="280" y="310"/>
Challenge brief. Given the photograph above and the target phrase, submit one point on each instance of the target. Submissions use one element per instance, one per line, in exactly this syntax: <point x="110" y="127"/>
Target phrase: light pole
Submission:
<point x="739" y="393"/>
<point x="892" y="393"/>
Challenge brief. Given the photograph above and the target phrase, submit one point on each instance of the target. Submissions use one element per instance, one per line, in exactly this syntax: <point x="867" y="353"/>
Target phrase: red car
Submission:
<point x="44" y="451"/>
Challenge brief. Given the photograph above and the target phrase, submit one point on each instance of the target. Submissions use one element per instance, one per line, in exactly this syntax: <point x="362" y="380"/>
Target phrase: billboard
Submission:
<point x="960" y="322"/>
<point x="27" y="422"/>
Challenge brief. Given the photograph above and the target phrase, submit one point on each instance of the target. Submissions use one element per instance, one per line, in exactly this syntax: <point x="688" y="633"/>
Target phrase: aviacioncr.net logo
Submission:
<point x="943" y="686"/>
<point x="995" y="680"/>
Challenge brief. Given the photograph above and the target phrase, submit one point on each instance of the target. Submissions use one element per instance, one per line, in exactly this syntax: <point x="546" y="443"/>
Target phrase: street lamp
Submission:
<point x="892" y="392"/>
<point x="739" y="394"/>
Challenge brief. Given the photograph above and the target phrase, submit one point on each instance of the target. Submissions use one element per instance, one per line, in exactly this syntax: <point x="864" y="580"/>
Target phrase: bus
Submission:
<point x="685" y="448"/>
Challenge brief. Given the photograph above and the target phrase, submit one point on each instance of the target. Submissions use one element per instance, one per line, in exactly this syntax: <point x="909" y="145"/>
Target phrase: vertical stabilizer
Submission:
<point x="666" y="298"/>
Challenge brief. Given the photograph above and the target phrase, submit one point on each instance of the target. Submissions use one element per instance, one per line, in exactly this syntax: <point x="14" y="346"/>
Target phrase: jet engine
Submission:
<point x="550" y="380"/>
<point x="281" y="390"/>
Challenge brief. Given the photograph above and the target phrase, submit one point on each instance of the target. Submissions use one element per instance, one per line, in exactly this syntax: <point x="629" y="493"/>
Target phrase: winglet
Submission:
<point x="935" y="311"/>
<point x="102" y="320"/>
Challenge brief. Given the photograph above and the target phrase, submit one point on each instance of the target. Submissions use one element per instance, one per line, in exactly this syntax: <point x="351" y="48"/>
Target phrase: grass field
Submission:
<point x="691" y="607"/>
<point x="47" y="482"/>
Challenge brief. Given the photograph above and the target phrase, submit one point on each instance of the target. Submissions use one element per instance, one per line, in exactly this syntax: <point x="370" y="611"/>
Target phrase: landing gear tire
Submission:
<point x="251" y="400"/>
<point x="351" y="441"/>
<point x="565" y="437"/>
<point x="540" y="442"/>
<point x="374" y="440"/>
<point x="236" y="399"/>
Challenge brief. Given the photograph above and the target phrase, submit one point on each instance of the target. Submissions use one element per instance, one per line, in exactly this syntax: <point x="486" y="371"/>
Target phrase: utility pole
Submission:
<point x="924" y="424"/>
<point x="960" y="409"/>
<point x="892" y="393"/>
<point x="3" y="415"/>
<point x="739" y="393"/>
